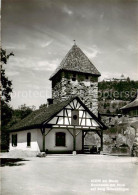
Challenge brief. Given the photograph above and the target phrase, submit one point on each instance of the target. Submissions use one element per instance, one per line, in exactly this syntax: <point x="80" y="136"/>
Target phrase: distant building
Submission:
<point x="121" y="78"/>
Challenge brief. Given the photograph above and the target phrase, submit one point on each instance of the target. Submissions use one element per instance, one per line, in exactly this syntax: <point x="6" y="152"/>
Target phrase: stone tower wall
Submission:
<point x="85" y="87"/>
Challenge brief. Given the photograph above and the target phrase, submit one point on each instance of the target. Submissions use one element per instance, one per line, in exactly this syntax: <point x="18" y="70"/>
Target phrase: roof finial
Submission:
<point x="74" y="42"/>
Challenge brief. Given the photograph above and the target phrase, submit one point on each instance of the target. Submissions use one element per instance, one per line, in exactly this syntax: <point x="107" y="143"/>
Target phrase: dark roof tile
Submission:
<point x="77" y="61"/>
<point x="133" y="104"/>
<point x="38" y="117"/>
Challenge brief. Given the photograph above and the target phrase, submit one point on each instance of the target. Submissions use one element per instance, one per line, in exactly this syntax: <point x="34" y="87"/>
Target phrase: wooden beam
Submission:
<point x="74" y="140"/>
<point x="85" y="133"/>
<point x="98" y="133"/>
<point x="43" y="139"/>
<point x="81" y="128"/>
<point x="101" y="140"/>
<point x="78" y="133"/>
<point x="82" y="141"/>
<point x="41" y="131"/>
<point x="48" y="132"/>
<point x="69" y="131"/>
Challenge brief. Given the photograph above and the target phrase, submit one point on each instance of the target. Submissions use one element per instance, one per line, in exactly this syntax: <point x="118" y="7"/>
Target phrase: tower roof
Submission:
<point x="76" y="60"/>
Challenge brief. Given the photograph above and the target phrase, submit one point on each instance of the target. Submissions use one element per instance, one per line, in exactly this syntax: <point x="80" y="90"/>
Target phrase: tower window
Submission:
<point x="60" y="139"/>
<point x="87" y="77"/>
<point x="28" y="139"/>
<point x="14" y="140"/>
<point x="74" y="77"/>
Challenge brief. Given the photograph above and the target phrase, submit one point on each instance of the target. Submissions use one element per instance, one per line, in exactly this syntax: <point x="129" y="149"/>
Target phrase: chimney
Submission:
<point x="49" y="101"/>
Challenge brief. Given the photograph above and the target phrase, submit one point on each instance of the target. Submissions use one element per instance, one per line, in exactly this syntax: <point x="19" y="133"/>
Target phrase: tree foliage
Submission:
<point x="23" y="111"/>
<point x="42" y="106"/>
<point x="6" y="83"/>
<point x="123" y="90"/>
<point x="6" y="110"/>
<point x="20" y="113"/>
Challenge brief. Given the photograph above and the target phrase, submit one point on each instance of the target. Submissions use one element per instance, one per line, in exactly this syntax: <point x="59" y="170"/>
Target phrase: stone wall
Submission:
<point x="85" y="89"/>
<point x="117" y="140"/>
<point x="135" y="144"/>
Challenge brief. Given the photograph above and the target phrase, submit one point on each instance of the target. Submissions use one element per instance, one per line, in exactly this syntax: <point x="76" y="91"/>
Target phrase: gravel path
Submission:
<point x="67" y="175"/>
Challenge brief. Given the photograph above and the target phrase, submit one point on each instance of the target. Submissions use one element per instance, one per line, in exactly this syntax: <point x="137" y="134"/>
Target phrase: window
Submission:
<point x="74" y="77"/>
<point x="28" y="139"/>
<point x="14" y="140"/>
<point x="87" y="77"/>
<point x="60" y="139"/>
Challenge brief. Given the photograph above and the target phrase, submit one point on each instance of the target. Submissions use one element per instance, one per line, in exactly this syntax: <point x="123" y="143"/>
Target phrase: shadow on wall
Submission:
<point x="12" y="162"/>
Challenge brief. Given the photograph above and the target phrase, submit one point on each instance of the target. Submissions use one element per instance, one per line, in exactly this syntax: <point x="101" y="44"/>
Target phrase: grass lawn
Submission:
<point x="67" y="175"/>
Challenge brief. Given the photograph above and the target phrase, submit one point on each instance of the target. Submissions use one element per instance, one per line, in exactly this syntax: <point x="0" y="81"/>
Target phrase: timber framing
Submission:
<point x="74" y="134"/>
<point x="61" y="117"/>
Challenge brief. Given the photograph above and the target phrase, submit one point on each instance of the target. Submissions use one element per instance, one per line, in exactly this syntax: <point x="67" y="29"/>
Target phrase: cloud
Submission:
<point x="40" y="33"/>
<point x="92" y="52"/>
<point x="12" y="46"/>
<point x="132" y="48"/>
<point x="102" y="15"/>
<point x="66" y="10"/>
<point x="47" y="65"/>
<point x="46" y="44"/>
<point x="12" y="73"/>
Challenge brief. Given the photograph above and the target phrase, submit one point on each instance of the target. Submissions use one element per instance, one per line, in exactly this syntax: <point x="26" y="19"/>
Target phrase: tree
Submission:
<point x="6" y="83"/>
<point x="128" y="79"/>
<point x="5" y="98"/>
<point x="24" y="110"/>
<point x="42" y="106"/>
<point x="6" y="116"/>
<point x="20" y="113"/>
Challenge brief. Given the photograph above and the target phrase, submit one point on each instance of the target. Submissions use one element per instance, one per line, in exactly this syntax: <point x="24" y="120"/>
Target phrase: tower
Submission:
<point x="76" y="76"/>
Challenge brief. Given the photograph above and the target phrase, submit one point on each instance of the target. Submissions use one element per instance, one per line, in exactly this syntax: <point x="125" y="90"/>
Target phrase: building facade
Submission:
<point x="72" y="112"/>
<point x="76" y="76"/>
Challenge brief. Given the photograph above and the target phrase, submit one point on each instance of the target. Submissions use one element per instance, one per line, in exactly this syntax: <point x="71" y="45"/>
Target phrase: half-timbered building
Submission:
<point x="71" y="113"/>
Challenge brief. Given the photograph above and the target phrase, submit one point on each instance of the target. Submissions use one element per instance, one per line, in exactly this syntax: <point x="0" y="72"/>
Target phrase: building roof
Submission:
<point x="38" y="117"/>
<point x="132" y="104"/>
<point x="77" y="61"/>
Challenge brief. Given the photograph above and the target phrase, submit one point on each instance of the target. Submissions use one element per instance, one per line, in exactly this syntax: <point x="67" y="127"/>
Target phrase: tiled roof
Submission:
<point x="43" y="115"/>
<point x="77" y="61"/>
<point x="38" y="117"/>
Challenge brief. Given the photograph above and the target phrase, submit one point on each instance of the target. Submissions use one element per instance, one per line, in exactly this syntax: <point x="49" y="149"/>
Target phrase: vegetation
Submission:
<point x="123" y="90"/>
<point x="5" y="98"/>
<point x="8" y="115"/>
<point x="19" y="114"/>
<point x="114" y="95"/>
<point x="42" y="106"/>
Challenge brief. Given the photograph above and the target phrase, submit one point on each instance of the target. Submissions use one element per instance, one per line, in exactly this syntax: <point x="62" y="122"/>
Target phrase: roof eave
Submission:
<point x="51" y="78"/>
<point x="25" y="128"/>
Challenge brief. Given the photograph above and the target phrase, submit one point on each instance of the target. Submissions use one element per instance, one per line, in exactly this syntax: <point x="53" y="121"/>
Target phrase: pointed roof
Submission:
<point x="76" y="60"/>
<point x="42" y="116"/>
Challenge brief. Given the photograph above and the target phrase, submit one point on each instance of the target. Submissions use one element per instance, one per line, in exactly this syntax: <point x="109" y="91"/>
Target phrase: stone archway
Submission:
<point x="92" y="139"/>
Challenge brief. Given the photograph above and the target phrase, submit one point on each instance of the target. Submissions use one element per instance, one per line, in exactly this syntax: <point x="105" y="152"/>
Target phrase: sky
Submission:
<point x="41" y="32"/>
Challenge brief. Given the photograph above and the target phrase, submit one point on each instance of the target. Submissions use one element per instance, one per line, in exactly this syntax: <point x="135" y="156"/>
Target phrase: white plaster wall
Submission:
<point x="22" y="140"/>
<point x="37" y="141"/>
<point x="79" y="141"/>
<point x="40" y="139"/>
<point x="50" y="141"/>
